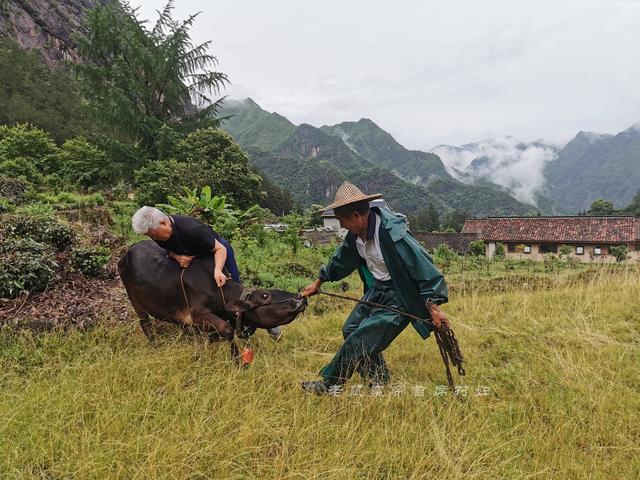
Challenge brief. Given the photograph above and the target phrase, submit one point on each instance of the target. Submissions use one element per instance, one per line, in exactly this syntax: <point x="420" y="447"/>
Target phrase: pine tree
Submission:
<point x="145" y="84"/>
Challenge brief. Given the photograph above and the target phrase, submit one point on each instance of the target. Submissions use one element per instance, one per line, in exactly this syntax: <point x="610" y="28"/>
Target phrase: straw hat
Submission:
<point x="349" y="193"/>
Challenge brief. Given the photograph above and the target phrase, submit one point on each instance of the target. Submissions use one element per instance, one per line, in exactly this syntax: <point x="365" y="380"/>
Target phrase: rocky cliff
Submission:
<point x="46" y="25"/>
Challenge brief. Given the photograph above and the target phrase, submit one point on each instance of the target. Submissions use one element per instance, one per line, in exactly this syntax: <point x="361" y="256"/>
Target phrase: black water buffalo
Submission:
<point x="153" y="283"/>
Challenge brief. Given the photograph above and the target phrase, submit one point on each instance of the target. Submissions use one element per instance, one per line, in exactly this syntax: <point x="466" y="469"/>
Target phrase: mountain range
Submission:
<point x="563" y="179"/>
<point x="313" y="162"/>
<point x="494" y="177"/>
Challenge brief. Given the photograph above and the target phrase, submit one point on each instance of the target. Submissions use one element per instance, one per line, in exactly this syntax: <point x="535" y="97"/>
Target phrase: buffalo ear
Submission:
<point x="237" y="307"/>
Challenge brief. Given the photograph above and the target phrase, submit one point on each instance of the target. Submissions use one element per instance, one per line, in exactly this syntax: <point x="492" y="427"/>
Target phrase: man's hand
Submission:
<point x="219" y="277"/>
<point x="438" y="317"/>
<point x="312" y="288"/>
<point x="183" y="260"/>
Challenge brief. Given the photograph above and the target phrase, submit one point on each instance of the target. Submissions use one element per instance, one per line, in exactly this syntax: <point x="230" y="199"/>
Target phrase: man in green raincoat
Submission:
<point x="396" y="271"/>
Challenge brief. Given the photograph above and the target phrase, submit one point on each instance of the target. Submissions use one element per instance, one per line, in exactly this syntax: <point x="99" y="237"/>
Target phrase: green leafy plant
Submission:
<point x="90" y="261"/>
<point x="500" y="251"/>
<point x="25" y="265"/>
<point x="565" y="250"/>
<point x="291" y="234"/>
<point x="211" y="209"/>
<point x="444" y="255"/>
<point x="42" y="229"/>
<point x="477" y="248"/>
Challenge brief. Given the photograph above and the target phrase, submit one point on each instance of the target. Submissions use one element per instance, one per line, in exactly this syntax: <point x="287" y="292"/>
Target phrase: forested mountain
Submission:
<point x="313" y="162"/>
<point x="381" y="149"/>
<point x="593" y="166"/>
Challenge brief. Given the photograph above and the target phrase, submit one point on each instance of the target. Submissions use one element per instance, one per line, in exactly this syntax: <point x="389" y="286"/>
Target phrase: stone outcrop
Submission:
<point x="46" y="25"/>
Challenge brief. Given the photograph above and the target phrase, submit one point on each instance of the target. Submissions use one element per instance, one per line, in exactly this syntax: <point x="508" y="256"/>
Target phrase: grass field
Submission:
<point x="553" y="391"/>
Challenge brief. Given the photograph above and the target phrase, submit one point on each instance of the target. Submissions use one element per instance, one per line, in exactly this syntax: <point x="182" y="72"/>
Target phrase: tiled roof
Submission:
<point x="457" y="241"/>
<point x="474" y="225"/>
<point x="557" y="229"/>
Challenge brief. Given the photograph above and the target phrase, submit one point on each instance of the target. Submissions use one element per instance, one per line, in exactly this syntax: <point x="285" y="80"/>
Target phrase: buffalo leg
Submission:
<point x="213" y="324"/>
<point x="145" y="320"/>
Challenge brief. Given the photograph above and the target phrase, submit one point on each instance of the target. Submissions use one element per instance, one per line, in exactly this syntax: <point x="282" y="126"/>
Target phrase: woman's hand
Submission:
<point x="219" y="277"/>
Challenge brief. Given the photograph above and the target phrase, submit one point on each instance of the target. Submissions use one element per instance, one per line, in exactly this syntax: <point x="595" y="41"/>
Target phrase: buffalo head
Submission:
<point x="268" y="308"/>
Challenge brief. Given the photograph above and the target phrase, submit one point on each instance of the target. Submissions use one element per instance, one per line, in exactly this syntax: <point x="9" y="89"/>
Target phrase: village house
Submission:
<point x="588" y="238"/>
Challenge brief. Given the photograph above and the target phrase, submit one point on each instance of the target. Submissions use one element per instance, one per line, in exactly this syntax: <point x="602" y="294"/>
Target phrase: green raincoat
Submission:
<point x="369" y="330"/>
<point x="415" y="279"/>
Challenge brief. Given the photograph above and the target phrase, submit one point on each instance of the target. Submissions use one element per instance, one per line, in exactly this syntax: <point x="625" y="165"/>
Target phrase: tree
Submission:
<point x="426" y="219"/>
<point x="224" y="156"/>
<point x="276" y="199"/>
<point x="142" y="84"/>
<point x="477" y="247"/>
<point x="634" y="207"/>
<point x="455" y="220"/>
<point x="206" y="157"/>
<point x="601" y="207"/>
<point x="30" y="92"/>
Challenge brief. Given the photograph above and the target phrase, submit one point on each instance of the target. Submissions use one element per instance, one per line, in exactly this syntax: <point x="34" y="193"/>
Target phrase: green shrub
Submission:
<point x="620" y="252"/>
<point x="291" y="234"/>
<point x="205" y="157"/>
<point x="501" y="251"/>
<point x="552" y="263"/>
<point x="37" y="209"/>
<point x="6" y="206"/>
<point x="477" y="248"/>
<point x="120" y="190"/>
<point x="444" y="256"/>
<point x="22" y="168"/>
<point x="26" y="267"/>
<point x="90" y="261"/>
<point x="86" y="165"/>
<point x="565" y="250"/>
<point x="39" y="228"/>
<point x="69" y="201"/>
<point x="12" y="188"/>
<point x="31" y="143"/>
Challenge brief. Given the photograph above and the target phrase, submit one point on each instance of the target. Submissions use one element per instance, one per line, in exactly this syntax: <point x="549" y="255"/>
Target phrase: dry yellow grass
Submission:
<point x="560" y="365"/>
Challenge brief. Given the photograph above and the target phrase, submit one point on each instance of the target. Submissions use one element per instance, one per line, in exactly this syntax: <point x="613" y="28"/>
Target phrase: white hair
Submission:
<point x="147" y="218"/>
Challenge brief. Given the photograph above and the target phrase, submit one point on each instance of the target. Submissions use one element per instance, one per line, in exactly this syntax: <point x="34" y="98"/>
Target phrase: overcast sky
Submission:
<point x="432" y="72"/>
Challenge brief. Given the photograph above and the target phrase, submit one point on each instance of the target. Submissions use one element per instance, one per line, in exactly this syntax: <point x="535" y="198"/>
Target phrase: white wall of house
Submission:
<point x="491" y="249"/>
<point x="330" y="222"/>
<point x="588" y="255"/>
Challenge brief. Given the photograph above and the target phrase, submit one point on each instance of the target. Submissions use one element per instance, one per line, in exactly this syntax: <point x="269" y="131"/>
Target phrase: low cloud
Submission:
<point x="517" y="166"/>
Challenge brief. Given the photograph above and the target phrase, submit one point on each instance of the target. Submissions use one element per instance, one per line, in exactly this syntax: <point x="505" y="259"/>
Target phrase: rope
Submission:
<point x="184" y="292"/>
<point x="445" y="337"/>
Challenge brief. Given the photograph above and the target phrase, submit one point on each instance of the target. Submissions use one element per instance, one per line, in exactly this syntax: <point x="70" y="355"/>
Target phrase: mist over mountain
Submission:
<point x="517" y="166"/>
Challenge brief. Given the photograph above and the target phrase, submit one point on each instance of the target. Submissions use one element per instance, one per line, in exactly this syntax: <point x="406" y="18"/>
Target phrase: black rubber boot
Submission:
<point x="315" y="386"/>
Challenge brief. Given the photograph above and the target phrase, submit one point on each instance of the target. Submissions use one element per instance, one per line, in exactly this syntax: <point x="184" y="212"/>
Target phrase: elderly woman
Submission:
<point x="184" y="238"/>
